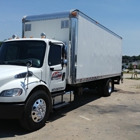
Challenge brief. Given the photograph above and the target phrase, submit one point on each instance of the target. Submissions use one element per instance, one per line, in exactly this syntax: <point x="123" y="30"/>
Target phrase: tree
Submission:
<point x="139" y="57"/>
<point x="0" y="43"/>
<point x="139" y="67"/>
<point x="130" y="67"/>
<point x="126" y="58"/>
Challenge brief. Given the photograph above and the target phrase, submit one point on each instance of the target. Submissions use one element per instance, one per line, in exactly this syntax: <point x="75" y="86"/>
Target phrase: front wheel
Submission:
<point x="36" y="111"/>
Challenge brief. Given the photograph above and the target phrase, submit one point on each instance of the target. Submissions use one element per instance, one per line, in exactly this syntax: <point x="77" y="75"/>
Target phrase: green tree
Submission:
<point x="139" y="67"/>
<point x="0" y="43"/>
<point x="139" y="57"/>
<point x="126" y="58"/>
<point x="130" y="67"/>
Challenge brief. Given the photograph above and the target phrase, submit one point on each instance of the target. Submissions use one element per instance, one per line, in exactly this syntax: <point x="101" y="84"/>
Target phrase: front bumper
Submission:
<point x="11" y="111"/>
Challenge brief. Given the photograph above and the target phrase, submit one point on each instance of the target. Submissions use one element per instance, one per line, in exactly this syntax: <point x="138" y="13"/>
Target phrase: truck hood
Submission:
<point x="8" y="72"/>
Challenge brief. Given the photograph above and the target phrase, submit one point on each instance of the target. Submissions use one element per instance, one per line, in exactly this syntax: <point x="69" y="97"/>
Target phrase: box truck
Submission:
<point x="59" y="54"/>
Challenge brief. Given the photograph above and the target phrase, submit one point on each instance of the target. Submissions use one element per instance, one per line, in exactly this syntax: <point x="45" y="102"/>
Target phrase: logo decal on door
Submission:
<point x="56" y="75"/>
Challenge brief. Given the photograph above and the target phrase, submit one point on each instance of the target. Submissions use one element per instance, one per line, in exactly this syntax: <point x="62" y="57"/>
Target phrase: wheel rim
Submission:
<point x="110" y="87"/>
<point x="38" y="110"/>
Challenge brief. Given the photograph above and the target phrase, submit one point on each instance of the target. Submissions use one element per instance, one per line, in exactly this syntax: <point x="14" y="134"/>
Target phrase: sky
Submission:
<point x="120" y="16"/>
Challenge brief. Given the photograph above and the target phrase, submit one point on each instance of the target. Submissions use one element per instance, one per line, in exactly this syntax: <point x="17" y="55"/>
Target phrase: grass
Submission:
<point x="127" y="72"/>
<point x="138" y="86"/>
<point x="133" y="78"/>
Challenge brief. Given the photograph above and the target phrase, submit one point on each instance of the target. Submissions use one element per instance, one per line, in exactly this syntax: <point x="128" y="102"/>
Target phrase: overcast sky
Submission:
<point x="120" y="16"/>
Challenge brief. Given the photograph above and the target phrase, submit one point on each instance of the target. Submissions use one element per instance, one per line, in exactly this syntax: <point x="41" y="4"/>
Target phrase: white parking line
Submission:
<point x="85" y="118"/>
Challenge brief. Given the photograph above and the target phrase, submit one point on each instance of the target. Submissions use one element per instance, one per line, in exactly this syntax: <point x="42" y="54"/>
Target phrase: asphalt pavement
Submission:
<point x="91" y="117"/>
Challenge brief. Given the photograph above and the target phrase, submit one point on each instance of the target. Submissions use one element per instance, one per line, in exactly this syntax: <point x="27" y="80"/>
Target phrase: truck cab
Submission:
<point x="32" y="69"/>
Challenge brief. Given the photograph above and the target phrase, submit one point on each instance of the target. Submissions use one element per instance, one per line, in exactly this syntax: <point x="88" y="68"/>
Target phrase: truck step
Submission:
<point x="57" y="106"/>
<point x="58" y="94"/>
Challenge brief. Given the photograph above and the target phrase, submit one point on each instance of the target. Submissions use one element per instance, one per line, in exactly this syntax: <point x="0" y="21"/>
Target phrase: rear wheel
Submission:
<point x="36" y="111"/>
<point x="108" y="87"/>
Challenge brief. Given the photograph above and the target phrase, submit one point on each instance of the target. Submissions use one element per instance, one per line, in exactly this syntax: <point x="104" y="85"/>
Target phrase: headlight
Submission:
<point x="11" y="92"/>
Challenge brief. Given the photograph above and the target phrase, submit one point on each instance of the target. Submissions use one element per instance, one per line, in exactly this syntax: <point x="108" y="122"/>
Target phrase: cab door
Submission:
<point x="56" y="68"/>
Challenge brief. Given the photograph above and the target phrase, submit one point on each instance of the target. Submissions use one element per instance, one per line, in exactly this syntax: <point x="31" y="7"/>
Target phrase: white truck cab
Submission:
<point x="28" y="66"/>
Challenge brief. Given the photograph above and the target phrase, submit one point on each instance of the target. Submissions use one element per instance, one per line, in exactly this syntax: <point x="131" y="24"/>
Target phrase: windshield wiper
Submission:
<point x="17" y="63"/>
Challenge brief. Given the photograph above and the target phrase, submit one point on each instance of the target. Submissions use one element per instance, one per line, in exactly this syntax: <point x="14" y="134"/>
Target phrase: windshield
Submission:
<point x="19" y="52"/>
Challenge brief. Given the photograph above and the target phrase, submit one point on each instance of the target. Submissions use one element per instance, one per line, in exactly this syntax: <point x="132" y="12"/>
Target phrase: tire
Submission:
<point x="108" y="87"/>
<point x="36" y="111"/>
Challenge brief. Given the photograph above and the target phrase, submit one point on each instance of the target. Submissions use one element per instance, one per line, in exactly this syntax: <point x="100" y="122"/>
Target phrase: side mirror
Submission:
<point x="29" y="63"/>
<point x="64" y="55"/>
<point x="64" y="62"/>
<point x="64" y="51"/>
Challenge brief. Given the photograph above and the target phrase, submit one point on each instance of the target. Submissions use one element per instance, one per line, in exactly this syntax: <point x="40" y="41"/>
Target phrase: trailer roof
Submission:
<point x="65" y="14"/>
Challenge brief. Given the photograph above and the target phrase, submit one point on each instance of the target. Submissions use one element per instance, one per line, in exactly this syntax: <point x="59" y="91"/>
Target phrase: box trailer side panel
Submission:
<point x="99" y="52"/>
<point x="92" y="50"/>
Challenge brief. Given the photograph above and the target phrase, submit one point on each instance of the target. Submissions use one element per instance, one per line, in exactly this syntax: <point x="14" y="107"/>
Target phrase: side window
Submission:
<point x="54" y="55"/>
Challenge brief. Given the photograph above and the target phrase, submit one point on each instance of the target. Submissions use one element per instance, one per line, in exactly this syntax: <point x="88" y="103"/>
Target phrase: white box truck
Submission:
<point x="73" y="52"/>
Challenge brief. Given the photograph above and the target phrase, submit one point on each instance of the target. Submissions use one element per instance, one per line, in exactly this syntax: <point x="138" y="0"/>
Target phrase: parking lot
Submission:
<point x="92" y="117"/>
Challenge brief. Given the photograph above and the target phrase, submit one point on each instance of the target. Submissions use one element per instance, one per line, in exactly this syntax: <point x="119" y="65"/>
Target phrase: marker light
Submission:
<point x="74" y="14"/>
<point x="43" y="35"/>
<point x="14" y="36"/>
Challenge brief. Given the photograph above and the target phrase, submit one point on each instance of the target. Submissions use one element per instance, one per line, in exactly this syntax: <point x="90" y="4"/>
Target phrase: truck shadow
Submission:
<point x="12" y="128"/>
<point x="87" y="97"/>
